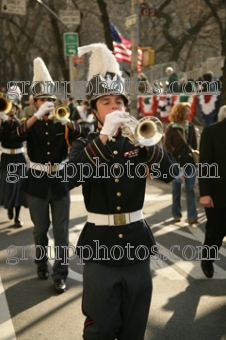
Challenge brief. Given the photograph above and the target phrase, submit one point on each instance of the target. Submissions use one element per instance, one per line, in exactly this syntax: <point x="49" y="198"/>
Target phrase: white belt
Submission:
<point x="48" y="167"/>
<point x="12" y="151"/>
<point x="115" y="219"/>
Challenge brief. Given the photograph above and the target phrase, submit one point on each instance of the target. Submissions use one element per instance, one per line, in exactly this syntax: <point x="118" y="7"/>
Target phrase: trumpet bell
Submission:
<point x="5" y="105"/>
<point x="62" y="112"/>
<point x="149" y="131"/>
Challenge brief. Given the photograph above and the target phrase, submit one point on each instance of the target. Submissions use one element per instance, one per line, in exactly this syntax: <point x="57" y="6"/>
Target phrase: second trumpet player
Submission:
<point x="48" y="195"/>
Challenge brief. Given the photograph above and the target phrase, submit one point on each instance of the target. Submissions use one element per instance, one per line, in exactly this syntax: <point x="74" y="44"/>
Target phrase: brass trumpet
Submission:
<point x="5" y="105"/>
<point x="147" y="131"/>
<point x="61" y="112"/>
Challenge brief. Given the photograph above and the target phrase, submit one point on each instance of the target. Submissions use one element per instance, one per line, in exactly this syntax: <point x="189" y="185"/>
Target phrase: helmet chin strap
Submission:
<point x="99" y="121"/>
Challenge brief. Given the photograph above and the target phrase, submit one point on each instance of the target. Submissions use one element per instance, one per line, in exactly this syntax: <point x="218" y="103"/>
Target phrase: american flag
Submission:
<point x="122" y="47"/>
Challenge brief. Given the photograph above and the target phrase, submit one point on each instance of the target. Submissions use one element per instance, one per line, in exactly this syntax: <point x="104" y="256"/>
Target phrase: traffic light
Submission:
<point x="148" y="56"/>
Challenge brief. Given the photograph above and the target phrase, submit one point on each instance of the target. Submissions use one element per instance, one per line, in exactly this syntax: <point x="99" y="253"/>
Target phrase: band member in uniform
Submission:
<point x="116" y="242"/>
<point x="12" y="159"/>
<point x="47" y="147"/>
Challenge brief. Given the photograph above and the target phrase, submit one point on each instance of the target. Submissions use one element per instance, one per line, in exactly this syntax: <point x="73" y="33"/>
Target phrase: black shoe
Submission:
<point x="191" y="222"/>
<point x="207" y="268"/>
<point x="43" y="273"/>
<point x="10" y="214"/>
<point x="60" y="286"/>
<point x="18" y="222"/>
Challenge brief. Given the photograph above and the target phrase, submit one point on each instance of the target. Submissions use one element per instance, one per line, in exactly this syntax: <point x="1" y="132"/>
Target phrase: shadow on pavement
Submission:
<point x="187" y="321"/>
<point x="31" y="292"/>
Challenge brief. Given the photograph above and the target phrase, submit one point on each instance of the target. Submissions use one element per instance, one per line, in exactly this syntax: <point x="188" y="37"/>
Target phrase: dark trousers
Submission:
<point x="116" y="300"/>
<point x="215" y="231"/>
<point x="40" y="216"/>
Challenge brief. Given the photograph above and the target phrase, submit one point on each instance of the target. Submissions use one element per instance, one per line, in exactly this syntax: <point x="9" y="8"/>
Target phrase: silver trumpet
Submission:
<point x="147" y="131"/>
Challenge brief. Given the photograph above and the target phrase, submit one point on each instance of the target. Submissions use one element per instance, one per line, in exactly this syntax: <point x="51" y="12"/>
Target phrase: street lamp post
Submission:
<point x="52" y="12"/>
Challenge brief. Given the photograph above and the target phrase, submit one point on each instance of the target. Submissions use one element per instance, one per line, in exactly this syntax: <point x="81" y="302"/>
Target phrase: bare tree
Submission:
<point x="177" y="28"/>
<point x="183" y="31"/>
<point x="105" y="20"/>
<point x="220" y="17"/>
<point x="14" y="31"/>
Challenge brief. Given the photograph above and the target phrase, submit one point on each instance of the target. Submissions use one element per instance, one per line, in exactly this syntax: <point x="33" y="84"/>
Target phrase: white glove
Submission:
<point x="113" y="121"/>
<point x="63" y="121"/>
<point x="51" y="115"/>
<point x="44" y="109"/>
<point x="4" y="116"/>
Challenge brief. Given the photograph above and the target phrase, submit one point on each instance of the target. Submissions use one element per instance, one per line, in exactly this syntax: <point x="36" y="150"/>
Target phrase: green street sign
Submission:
<point x="70" y="44"/>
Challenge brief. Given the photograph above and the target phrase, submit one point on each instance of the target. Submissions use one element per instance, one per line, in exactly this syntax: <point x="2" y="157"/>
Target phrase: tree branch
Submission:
<point x="105" y="20"/>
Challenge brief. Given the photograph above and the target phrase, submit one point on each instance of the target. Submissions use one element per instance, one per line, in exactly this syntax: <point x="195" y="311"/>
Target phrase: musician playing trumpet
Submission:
<point x="116" y="242"/>
<point x="47" y="148"/>
<point x="12" y="156"/>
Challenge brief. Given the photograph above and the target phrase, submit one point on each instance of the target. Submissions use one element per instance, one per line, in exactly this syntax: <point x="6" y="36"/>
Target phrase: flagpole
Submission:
<point x="135" y="43"/>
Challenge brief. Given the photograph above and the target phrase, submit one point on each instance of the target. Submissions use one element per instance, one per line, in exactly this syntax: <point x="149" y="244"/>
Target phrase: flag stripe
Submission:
<point x="122" y="47"/>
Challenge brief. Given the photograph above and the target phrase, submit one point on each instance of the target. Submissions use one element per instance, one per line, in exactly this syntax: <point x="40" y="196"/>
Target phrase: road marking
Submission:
<point x="76" y="198"/>
<point x="161" y="267"/>
<point x="6" y="326"/>
<point x="171" y="229"/>
<point x="190" y="267"/>
<point x="148" y="197"/>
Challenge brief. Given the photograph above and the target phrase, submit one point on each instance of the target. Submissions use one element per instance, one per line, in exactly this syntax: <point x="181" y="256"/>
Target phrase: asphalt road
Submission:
<point x="185" y="304"/>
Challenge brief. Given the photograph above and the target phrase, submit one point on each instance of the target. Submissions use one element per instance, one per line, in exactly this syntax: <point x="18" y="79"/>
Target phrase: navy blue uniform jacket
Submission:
<point x="113" y="179"/>
<point x="46" y="143"/>
<point x="5" y="134"/>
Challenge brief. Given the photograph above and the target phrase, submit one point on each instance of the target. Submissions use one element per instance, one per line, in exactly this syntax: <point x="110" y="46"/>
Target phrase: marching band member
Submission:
<point x="47" y="147"/>
<point x="116" y="242"/>
<point x="12" y="159"/>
